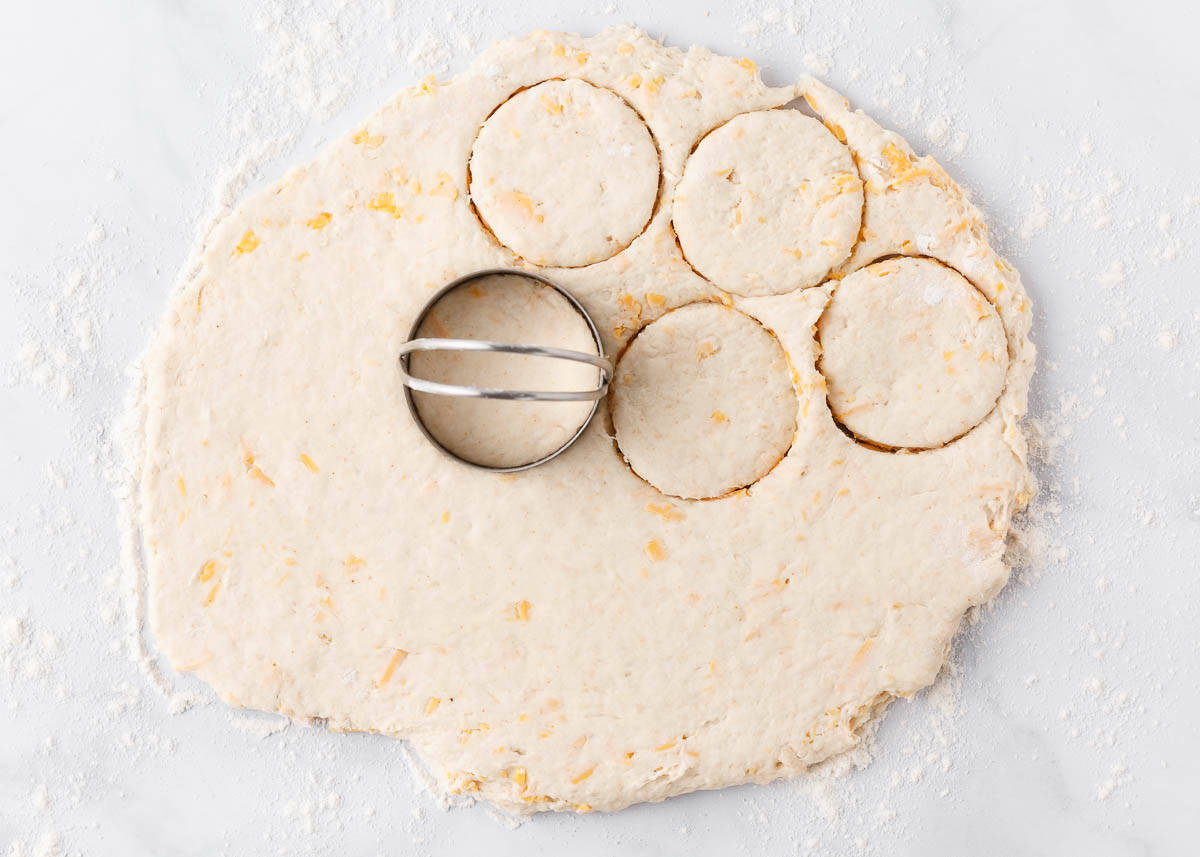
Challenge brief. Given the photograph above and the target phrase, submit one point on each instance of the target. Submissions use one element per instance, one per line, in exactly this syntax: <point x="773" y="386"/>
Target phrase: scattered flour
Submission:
<point x="260" y="726"/>
<point x="1035" y="221"/>
<point x="817" y="64"/>
<point x="1113" y="275"/>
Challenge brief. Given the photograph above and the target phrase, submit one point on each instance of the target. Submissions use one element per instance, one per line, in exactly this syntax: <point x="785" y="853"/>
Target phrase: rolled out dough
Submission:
<point x="567" y="638"/>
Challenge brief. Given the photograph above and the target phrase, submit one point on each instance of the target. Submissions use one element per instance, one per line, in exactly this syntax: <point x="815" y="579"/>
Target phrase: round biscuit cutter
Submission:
<point x="415" y="343"/>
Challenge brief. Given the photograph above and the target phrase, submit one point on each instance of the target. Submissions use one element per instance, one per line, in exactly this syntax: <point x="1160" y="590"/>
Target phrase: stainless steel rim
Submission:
<point x="438" y="388"/>
<point x="414" y="344"/>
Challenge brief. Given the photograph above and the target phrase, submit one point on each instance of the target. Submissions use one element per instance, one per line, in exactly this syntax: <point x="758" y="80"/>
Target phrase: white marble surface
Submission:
<point x="1069" y="727"/>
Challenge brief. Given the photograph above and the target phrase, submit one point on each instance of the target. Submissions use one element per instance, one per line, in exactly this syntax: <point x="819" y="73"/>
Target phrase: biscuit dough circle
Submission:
<point x="769" y="202"/>
<point x="702" y="402"/>
<point x="495" y="432"/>
<point x="913" y="354"/>
<point x="565" y="173"/>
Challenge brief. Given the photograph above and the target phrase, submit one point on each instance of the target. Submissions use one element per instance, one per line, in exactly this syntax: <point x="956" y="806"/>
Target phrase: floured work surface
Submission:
<point x="573" y="637"/>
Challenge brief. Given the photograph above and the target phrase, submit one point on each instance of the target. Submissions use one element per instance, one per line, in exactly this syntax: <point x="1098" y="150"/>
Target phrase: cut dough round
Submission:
<point x="495" y="432"/>
<point x="703" y="402"/>
<point x="913" y="354"/>
<point x="565" y="173"/>
<point x="769" y="202"/>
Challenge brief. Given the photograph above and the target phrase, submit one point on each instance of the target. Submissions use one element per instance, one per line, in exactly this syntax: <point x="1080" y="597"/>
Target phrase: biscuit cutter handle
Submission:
<point x="437" y="388"/>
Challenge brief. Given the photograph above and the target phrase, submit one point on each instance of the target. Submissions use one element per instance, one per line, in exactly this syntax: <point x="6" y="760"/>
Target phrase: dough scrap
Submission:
<point x="913" y="354"/>
<point x="702" y="402"/>
<point x="769" y="202"/>
<point x="564" y="173"/>
<point x="566" y="638"/>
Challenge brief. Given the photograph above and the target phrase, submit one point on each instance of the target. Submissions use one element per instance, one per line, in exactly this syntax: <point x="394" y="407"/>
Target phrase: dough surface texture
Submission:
<point x="568" y="637"/>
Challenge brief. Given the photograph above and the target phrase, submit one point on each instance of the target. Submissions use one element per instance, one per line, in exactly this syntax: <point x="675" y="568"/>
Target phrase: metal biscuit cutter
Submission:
<point x="415" y="343"/>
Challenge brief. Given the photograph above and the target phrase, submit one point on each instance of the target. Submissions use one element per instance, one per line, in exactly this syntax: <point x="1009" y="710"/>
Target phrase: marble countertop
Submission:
<point x="1066" y="722"/>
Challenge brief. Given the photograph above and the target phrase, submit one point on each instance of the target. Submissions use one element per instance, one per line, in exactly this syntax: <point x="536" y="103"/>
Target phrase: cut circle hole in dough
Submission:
<point x="769" y="202"/>
<point x="496" y="432"/>
<point x="565" y="129"/>
<point x="913" y="354"/>
<point x="702" y="402"/>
